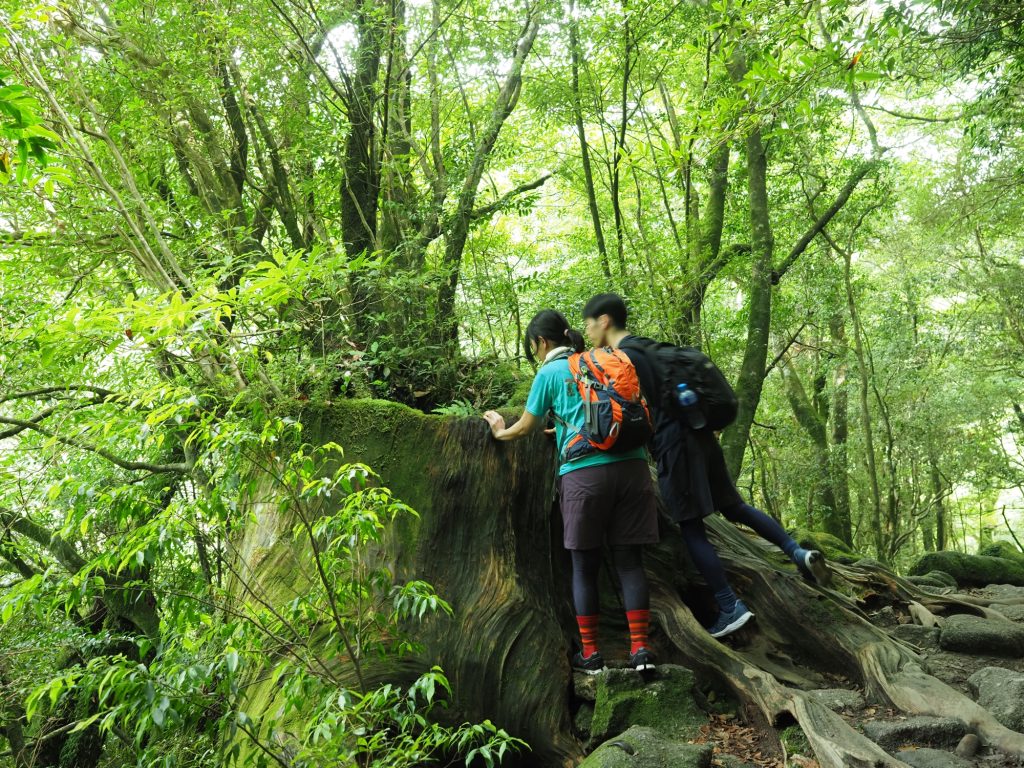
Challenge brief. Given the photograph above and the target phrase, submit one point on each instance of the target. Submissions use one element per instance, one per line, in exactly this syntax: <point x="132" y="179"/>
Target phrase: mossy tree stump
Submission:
<point x="489" y="539"/>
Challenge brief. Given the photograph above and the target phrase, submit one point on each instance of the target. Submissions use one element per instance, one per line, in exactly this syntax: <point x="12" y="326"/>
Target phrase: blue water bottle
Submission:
<point x="687" y="400"/>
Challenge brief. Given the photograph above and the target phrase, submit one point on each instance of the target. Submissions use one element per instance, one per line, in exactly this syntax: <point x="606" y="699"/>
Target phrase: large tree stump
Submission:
<point x="486" y="539"/>
<point x="489" y="540"/>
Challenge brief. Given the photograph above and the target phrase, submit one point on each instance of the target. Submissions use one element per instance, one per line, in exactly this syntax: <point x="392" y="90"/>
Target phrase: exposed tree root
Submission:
<point x="909" y="688"/>
<point x="835" y="743"/>
<point x="827" y="631"/>
<point x="873" y="578"/>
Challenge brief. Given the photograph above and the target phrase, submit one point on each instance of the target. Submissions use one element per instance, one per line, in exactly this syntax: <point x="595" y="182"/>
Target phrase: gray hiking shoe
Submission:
<point x="729" y="622"/>
<point x="588" y="665"/>
<point x="814" y="568"/>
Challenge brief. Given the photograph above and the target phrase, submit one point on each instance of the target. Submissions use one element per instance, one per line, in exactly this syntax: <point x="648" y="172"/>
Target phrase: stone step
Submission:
<point x="916" y="731"/>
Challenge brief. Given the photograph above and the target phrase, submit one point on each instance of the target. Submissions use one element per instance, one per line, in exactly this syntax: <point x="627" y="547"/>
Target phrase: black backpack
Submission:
<point x="674" y="365"/>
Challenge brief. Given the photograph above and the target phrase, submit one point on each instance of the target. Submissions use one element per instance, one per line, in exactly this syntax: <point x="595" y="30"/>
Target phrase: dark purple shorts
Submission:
<point x="610" y="503"/>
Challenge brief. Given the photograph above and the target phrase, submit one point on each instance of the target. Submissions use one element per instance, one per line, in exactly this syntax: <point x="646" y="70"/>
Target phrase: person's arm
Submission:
<point x="527" y="423"/>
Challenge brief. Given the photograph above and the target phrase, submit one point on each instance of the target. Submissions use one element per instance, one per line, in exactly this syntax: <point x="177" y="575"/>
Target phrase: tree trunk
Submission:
<point x="619" y="144"/>
<point x="489" y="539"/>
<point x="814" y="425"/>
<point x="490" y="543"/>
<point x="840" y="428"/>
<point x="458" y="230"/>
<point x="709" y="260"/>
<point x="755" y="356"/>
<point x="360" y="186"/>
<point x="865" y="412"/>
<point x="703" y="258"/>
<point x="588" y="171"/>
<point x="938" y="493"/>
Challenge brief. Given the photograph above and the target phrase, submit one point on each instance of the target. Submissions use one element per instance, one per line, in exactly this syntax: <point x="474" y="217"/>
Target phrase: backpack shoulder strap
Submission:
<point x="637" y="342"/>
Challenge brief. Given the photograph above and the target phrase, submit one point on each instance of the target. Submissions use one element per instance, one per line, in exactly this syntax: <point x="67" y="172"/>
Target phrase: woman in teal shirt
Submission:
<point x="605" y="497"/>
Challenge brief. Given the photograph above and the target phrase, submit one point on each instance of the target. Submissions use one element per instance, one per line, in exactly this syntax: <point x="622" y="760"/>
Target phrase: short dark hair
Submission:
<point x="610" y="304"/>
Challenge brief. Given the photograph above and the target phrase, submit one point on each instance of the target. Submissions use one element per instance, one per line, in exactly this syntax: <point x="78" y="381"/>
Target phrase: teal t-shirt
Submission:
<point x="554" y="390"/>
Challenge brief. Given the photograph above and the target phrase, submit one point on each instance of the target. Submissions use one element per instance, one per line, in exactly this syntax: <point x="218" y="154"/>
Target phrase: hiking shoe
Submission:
<point x="814" y="568"/>
<point x="589" y="665"/>
<point x="729" y="622"/>
<point x="642" y="660"/>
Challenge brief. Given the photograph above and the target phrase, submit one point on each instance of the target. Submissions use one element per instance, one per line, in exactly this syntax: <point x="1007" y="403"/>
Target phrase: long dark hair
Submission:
<point x="551" y="325"/>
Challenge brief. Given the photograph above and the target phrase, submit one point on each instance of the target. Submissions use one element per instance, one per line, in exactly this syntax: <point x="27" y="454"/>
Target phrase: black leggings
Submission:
<point x="766" y="527"/>
<point x="629" y="563"/>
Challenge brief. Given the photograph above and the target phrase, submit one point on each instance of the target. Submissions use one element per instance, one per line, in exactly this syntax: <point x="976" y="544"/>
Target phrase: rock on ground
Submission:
<point x="968" y="746"/>
<point x="942" y="577"/>
<point x="642" y="747"/>
<point x="1005" y="590"/>
<point x="932" y="758"/>
<point x="624" y="698"/>
<point x="584" y="686"/>
<point x="929" y="731"/>
<point x="1012" y="612"/>
<point x="973" y="634"/>
<point x="1001" y="692"/>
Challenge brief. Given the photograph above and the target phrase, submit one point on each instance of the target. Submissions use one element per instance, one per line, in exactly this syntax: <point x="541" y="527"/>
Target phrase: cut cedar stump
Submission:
<point x="488" y="538"/>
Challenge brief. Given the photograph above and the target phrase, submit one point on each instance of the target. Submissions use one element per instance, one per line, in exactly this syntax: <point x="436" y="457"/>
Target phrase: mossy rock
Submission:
<point x="583" y="719"/>
<point x="666" y="703"/>
<point x="971" y="570"/>
<point x="934" y="580"/>
<point x="926" y="581"/>
<point x="1004" y="549"/>
<point x="650" y="748"/>
<point x="831" y="546"/>
<point x="943" y="578"/>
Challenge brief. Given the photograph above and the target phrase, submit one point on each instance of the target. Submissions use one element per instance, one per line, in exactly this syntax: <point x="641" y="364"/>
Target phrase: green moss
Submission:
<point x="666" y="704"/>
<point x="795" y="740"/>
<point x="391" y="438"/>
<point x="1002" y="549"/>
<point x="518" y="397"/>
<point x="971" y="570"/>
<point x="403" y="446"/>
<point x="822" y="612"/>
<point x="650" y="748"/>
<point x="833" y="547"/>
<point x="82" y="747"/>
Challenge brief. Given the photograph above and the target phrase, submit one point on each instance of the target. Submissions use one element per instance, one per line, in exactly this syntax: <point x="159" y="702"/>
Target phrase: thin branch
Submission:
<point x="785" y="349"/>
<point x="123" y="463"/>
<point x="1010" y="529"/>
<point x="52" y="541"/>
<point x="501" y="202"/>
<point x="907" y="116"/>
<point x="43" y="414"/>
<point x="818" y="226"/>
<point x="68" y="388"/>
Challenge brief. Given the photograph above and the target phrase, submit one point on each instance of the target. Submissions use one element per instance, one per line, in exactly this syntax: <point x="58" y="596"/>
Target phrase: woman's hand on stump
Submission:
<point x="495" y="421"/>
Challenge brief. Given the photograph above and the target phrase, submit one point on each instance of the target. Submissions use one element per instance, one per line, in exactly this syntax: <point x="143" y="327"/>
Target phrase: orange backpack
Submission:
<point x="616" y="417"/>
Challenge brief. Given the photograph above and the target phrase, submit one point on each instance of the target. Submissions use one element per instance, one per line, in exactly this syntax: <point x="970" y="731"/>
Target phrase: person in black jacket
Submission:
<point x="692" y="475"/>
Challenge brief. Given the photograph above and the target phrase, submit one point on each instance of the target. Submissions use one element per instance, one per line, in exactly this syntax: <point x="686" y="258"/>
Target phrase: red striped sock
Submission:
<point x="638" y="626"/>
<point x="588" y="634"/>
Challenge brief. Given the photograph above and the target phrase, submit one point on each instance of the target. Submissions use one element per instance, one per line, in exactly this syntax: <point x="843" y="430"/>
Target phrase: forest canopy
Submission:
<point x="218" y="217"/>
